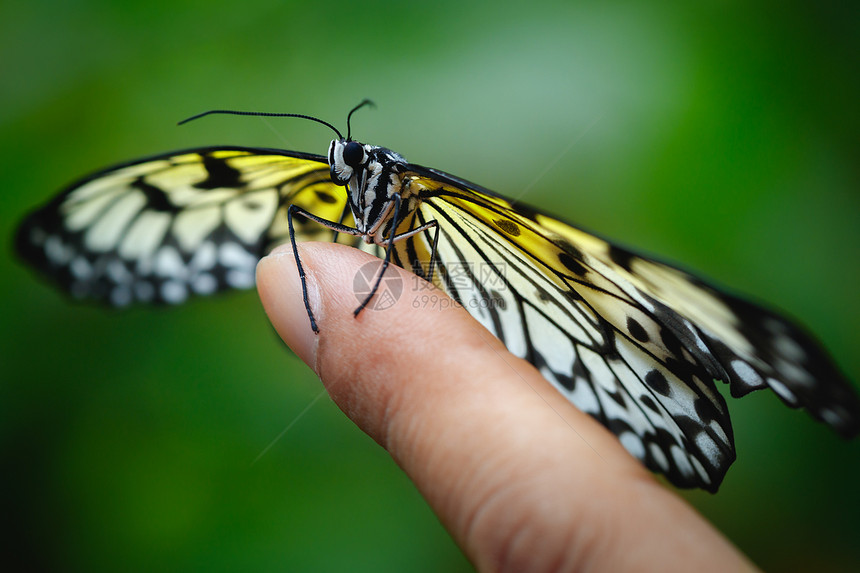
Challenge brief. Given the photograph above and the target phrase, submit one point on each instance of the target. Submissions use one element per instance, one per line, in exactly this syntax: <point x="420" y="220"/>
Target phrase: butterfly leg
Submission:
<point x="393" y="239"/>
<point x="340" y="221"/>
<point x="432" y="266"/>
<point x="387" y="260"/>
<point x="336" y="227"/>
<point x="417" y="267"/>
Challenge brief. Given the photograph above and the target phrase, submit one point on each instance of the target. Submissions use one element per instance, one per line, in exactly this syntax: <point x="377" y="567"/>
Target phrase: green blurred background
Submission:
<point x="723" y="135"/>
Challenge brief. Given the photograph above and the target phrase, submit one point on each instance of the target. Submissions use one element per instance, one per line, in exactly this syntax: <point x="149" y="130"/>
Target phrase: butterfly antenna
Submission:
<point x="363" y="103"/>
<point x="267" y="114"/>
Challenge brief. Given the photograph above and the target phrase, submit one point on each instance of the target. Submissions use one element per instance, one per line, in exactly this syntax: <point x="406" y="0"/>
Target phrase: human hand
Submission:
<point x="520" y="477"/>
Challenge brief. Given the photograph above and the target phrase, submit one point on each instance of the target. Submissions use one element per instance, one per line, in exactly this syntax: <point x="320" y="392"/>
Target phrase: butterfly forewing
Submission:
<point x="166" y="227"/>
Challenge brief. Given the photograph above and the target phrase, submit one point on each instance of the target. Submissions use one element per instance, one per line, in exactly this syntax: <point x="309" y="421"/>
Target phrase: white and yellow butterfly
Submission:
<point x="636" y="343"/>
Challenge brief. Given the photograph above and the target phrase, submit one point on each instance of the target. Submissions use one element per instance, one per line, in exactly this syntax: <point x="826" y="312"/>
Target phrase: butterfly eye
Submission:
<point x="353" y="153"/>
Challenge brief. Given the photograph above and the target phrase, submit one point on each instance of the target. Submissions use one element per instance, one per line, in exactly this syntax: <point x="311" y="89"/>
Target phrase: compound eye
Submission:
<point x="353" y="153"/>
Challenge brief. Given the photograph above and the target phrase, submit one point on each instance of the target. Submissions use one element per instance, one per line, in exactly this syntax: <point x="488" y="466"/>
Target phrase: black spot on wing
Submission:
<point x="542" y="294"/>
<point x="617" y="397"/>
<point x="508" y="227"/>
<point x="650" y="404"/>
<point x="636" y="330"/>
<point x="325" y="197"/>
<point x="566" y="381"/>
<point x="219" y="174"/>
<point x="156" y="198"/>
<point x="573" y="296"/>
<point x="497" y="300"/>
<point x="670" y="341"/>
<point x="657" y="382"/>
<point x="572" y="264"/>
<point x="705" y="410"/>
<point x="621" y="257"/>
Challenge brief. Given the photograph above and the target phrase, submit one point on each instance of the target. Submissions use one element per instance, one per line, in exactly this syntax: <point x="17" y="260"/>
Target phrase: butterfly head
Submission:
<point x="349" y="159"/>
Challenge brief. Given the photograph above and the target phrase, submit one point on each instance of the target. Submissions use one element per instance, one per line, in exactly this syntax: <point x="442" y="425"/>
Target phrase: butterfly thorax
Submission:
<point x="372" y="176"/>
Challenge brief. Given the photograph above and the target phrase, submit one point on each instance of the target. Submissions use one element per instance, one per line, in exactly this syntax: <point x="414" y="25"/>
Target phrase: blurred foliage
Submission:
<point x="723" y="135"/>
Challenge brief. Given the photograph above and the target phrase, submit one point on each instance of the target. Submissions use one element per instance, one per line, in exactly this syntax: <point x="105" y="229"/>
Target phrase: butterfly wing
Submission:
<point x="188" y="222"/>
<point x="635" y="343"/>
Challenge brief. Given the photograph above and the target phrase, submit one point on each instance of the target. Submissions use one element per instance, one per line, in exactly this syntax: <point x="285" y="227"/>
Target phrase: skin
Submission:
<point x="520" y="478"/>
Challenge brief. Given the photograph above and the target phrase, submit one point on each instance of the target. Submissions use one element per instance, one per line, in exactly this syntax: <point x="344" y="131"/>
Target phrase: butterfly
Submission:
<point x="636" y="343"/>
